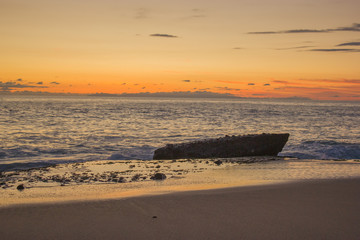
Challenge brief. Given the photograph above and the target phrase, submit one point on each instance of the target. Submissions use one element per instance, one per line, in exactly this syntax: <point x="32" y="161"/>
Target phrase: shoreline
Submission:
<point x="114" y="179"/>
<point x="92" y="181"/>
<point x="308" y="209"/>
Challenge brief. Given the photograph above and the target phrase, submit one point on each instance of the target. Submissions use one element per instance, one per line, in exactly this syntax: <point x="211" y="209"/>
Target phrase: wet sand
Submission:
<point x="97" y="180"/>
<point x="309" y="209"/>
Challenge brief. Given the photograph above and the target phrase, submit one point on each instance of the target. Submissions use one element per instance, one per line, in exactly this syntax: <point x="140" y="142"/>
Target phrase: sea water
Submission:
<point x="42" y="130"/>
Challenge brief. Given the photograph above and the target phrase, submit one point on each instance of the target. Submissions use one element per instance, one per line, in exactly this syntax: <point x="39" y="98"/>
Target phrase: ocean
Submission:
<point x="44" y="130"/>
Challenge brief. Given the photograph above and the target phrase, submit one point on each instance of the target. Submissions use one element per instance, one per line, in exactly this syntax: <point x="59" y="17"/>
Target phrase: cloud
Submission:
<point x="305" y="31"/>
<point x="334" y="50"/>
<point x="263" y="32"/>
<point x="290" y="48"/>
<point x="186" y="80"/>
<point x="279" y="81"/>
<point x="232" y="82"/>
<point x="163" y="35"/>
<point x="56" y="83"/>
<point x="238" y="48"/>
<point x="291" y="31"/>
<point x="7" y="86"/>
<point x="251" y="84"/>
<point x="341" y="81"/>
<point x="39" y="83"/>
<point x="344" y="84"/>
<point x="306" y="88"/>
<point x="228" y="89"/>
<point x="267" y="84"/>
<point x="353" y="28"/>
<point x="349" y="44"/>
<point x="356" y="81"/>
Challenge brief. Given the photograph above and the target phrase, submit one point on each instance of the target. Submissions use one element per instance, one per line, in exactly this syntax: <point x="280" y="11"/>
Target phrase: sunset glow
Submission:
<point x="276" y="48"/>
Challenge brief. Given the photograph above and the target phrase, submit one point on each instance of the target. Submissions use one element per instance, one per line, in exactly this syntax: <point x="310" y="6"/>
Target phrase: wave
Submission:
<point x="21" y="159"/>
<point x="25" y="158"/>
<point x="23" y="163"/>
<point x="144" y="152"/>
<point x="322" y="149"/>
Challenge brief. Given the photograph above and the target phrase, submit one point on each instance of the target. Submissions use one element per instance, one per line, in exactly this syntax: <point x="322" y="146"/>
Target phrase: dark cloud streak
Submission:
<point x="291" y="48"/>
<point x="349" y="44"/>
<point x="7" y="86"/>
<point x="334" y="50"/>
<point x="353" y="28"/>
<point x="163" y="35"/>
<point x="228" y="89"/>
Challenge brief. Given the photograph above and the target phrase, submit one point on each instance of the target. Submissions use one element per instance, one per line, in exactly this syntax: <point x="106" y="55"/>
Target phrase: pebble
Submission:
<point x="158" y="176"/>
<point x="20" y="187"/>
<point x="218" y="162"/>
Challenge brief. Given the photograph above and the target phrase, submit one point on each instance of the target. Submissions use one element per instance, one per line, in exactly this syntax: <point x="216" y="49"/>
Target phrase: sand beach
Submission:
<point x="278" y="199"/>
<point x="323" y="209"/>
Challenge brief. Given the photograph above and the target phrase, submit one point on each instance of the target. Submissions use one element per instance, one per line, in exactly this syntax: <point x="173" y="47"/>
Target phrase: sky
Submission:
<point x="249" y="48"/>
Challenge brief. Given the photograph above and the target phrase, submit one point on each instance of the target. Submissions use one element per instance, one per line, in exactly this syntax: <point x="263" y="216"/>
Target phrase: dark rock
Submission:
<point x="226" y="147"/>
<point x="121" y="180"/>
<point x="218" y="162"/>
<point x="136" y="177"/>
<point x="158" y="176"/>
<point x="20" y="187"/>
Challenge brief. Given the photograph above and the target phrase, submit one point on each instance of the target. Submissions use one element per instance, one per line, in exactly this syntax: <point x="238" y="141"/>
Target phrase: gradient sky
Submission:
<point x="250" y="48"/>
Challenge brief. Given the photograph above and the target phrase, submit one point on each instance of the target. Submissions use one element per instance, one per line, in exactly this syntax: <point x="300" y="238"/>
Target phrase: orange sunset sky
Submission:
<point x="249" y="48"/>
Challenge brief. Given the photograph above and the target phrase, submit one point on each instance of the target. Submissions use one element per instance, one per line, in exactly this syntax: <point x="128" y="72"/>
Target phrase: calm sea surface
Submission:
<point x="37" y="131"/>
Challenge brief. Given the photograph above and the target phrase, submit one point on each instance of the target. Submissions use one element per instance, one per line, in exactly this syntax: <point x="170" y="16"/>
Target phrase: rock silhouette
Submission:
<point x="225" y="147"/>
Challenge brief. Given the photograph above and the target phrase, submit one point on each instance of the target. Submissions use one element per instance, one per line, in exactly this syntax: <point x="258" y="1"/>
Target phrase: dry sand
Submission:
<point x="323" y="209"/>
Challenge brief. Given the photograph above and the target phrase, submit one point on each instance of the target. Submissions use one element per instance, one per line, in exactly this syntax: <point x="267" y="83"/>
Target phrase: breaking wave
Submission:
<point x="323" y="149"/>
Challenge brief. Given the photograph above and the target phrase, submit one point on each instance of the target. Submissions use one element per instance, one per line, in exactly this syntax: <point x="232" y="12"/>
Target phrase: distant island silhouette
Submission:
<point x="176" y="94"/>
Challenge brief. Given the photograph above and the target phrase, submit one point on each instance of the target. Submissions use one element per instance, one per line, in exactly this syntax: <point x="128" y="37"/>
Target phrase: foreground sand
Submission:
<point x="322" y="209"/>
